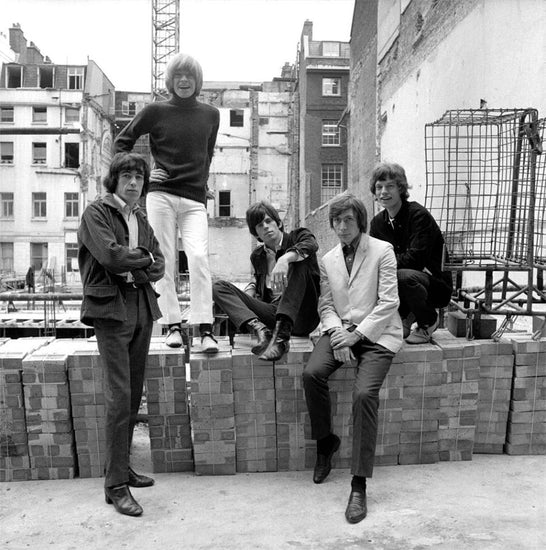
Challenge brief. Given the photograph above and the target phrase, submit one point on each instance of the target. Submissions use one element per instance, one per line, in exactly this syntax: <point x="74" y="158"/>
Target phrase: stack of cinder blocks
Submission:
<point x="85" y="374"/>
<point x="459" y="396"/>
<point x="341" y="384"/>
<point x="254" y="406"/>
<point x="48" y="414"/>
<point x="494" y="390"/>
<point x="295" y="449"/>
<point x="526" y="432"/>
<point x="389" y="418"/>
<point x="212" y="410"/>
<point x="168" y="409"/>
<point x="421" y="393"/>
<point x="14" y="451"/>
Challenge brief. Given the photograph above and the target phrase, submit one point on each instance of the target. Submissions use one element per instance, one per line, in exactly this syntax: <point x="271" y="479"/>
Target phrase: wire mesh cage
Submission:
<point x="485" y="179"/>
<point x="482" y="185"/>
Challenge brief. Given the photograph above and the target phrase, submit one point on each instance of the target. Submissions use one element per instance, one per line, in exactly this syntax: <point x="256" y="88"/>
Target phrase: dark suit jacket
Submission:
<point x="104" y="255"/>
<point x="300" y="240"/>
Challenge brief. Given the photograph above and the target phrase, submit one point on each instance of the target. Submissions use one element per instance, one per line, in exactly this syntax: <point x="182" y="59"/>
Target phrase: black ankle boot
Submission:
<point x="262" y="333"/>
<point x="280" y="340"/>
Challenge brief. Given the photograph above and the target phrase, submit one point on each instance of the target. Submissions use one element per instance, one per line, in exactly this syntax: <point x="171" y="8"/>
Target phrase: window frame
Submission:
<point x="2" y="153"/>
<point x="7" y="202"/>
<point x="35" y="159"/>
<point x="78" y="73"/>
<point x="7" y="246"/>
<point x="39" y="205"/>
<point x="39" y="114"/>
<point x="70" y="252"/>
<point x="328" y="87"/>
<point x="334" y="137"/>
<point x="71" y="205"/>
<point x="328" y="180"/>
<point x="10" y="69"/>
<point x="222" y="205"/>
<point x="236" y="116"/>
<point x="69" y="110"/>
<point x="6" y="109"/>
<point x="67" y="145"/>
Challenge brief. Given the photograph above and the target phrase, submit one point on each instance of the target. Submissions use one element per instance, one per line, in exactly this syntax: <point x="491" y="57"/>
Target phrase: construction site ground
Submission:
<point x="495" y="502"/>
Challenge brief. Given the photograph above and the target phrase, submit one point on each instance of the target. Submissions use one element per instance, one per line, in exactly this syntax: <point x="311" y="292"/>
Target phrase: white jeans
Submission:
<point x="167" y="215"/>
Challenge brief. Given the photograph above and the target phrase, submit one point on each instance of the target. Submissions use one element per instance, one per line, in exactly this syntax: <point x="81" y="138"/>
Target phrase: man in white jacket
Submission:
<point x="360" y="325"/>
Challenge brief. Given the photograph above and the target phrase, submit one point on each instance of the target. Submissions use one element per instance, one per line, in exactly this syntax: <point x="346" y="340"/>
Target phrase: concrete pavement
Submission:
<point x="491" y="502"/>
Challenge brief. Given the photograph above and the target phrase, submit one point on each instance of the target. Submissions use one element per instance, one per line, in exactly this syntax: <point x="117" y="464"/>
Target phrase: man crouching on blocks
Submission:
<point x="282" y="298"/>
<point x="358" y="309"/>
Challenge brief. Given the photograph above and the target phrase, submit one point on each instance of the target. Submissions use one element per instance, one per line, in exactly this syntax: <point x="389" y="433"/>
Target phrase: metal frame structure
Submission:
<point x="486" y="184"/>
<point x="165" y="42"/>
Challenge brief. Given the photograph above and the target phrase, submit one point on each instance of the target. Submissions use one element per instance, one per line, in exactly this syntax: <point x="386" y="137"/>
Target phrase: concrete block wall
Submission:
<point x="441" y="401"/>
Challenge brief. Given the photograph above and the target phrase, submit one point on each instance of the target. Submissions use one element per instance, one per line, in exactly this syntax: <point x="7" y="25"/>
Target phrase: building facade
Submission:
<point x="322" y="91"/>
<point x="56" y="129"/>
<point x="413" y="60"/>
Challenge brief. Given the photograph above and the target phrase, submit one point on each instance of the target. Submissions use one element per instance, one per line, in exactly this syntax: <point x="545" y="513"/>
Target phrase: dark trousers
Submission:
<point x="123" y="347"/>
<point x="373" y="365"/>
<point x="298" y="302"/>
<point x="421" y="294"/>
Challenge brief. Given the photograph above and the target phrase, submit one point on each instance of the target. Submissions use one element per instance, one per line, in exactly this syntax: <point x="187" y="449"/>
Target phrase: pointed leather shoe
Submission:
<point x="323" y="466"/>
<point x="356" y="507"/>
<point x="138" y="480"/>
<point x="123" y="500"/>
<point x="275" y="350"/>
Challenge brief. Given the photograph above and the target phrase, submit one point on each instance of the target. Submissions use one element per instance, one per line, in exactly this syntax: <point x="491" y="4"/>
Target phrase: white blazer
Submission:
<point x="367" y="298"/>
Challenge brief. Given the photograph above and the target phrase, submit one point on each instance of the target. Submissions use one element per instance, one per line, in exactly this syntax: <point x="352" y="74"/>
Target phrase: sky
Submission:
<point x="234" y="40"/>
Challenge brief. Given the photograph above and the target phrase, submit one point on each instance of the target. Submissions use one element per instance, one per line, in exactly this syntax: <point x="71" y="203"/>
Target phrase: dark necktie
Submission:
<point x="349" y="254"/>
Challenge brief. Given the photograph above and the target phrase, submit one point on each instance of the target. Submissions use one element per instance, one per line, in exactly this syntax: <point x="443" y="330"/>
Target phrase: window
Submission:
<point x="6" y="114"/>
<point x="72" y="114"/>
<point x="330" y="132"/>
<point x="45" y="77"/>
<point x="331" y="181"/>
<point x="6" y="205"/>
<point x="71" y="155"/>
<point x="128" y="108"/>
<point x="75" y="78"/>
<point x="38" y="255"/>
<point x="6" y="256"/>
<point x="330" y="49"/>
<point x="71" y="255"/>
<point x="14" y="76"/>
<point x="39" y="153"/>
<point x="71" y="205"/>
<point x="236" y="118"/>
<point x="39" y="205"/>
<point x="224" y="204"/>
<point x="6" y="152"/>
<point x="331" y="86"/>
<point x="39" y="114"/>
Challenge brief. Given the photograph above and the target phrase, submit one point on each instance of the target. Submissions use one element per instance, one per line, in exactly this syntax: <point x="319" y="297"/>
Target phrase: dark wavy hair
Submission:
<point x="126" y="162"/>
<point x="390" y="171"/>
<point x="343" y="202"/>
<point x="256" y="214"/>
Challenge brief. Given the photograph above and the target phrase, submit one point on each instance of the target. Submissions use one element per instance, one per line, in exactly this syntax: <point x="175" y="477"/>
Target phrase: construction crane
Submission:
<point x="165" y="42"/>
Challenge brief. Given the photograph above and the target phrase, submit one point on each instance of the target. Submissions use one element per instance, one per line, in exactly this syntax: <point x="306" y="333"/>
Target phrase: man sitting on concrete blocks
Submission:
<point x="360" y="324"/>
<point x="423" y="284"/>
<point x="282" y="299"/>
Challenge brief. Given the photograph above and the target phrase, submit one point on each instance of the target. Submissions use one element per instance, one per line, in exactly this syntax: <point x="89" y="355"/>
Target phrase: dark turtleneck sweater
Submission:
<point x="182" y="137"/>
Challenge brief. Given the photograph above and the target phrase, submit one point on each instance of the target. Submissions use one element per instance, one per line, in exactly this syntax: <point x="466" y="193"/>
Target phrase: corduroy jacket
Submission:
<point x="104" y="255"/>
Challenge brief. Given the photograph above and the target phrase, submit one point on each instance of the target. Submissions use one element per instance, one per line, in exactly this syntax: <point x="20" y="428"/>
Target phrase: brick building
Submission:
<point x="322" y="91"/>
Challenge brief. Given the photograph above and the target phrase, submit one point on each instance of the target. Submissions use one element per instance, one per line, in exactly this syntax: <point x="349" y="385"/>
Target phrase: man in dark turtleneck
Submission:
<point x="182" y="133"/>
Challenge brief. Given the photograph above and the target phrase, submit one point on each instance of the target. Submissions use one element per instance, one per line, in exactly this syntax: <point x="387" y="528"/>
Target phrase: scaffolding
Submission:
<point x="165" y="42"/>
<point x="486" y="188"/>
